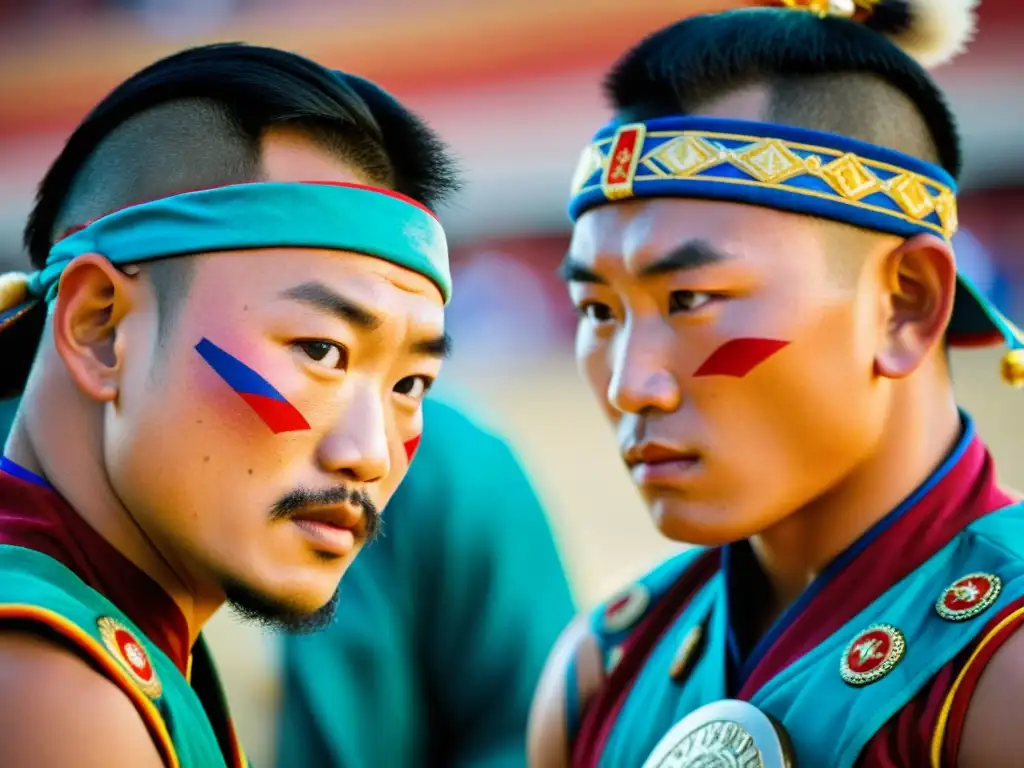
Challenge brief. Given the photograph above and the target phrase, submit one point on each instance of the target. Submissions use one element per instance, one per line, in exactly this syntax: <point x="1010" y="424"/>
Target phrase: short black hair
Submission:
<point x="195" y="120"/>
<point x="828" y="74"/>
<point x="234" y="93"/>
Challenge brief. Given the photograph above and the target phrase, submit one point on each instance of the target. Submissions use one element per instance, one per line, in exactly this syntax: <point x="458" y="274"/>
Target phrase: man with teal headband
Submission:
<point x="236" y="311"/>
<point x="762" y="267"/>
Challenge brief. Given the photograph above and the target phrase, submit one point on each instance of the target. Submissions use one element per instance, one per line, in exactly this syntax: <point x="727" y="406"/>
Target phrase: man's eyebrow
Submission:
<point x="692" y="254"/>
<point x="573" y="271"/>
<point x="318" y="296"/>
<point x="439" y="346"/>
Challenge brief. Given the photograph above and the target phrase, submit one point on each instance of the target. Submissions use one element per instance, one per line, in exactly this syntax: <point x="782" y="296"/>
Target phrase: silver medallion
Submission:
<point x="724" y="734"/>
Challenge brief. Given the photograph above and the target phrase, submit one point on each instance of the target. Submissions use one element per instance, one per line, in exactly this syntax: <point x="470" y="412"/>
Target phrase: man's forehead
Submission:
<point x="637" y="230"/>
<point x="651" y="237"/>
<point x="265" y="275"/>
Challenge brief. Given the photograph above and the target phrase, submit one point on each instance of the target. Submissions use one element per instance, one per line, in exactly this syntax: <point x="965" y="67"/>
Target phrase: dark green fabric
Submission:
<point x="443" y="625"/>
<point x="7" y="409"/>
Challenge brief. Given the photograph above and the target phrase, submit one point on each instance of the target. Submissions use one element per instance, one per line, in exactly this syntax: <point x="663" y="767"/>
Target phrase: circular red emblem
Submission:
<point x="132" y="652"/>
<point x="872" y="654"/>
<point x="131" y="655"/>
<point x="968" y="596"/>
<point x="624" y="611"/>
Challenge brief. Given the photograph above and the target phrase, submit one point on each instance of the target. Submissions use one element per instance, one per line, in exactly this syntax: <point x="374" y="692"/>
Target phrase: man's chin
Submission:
<point x="279" y="613"/>
<point x="702" y="525"/>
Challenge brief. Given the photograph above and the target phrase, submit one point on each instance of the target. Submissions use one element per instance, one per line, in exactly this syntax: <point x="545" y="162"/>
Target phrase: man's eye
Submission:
<point x="324" y="353"/>
<point x="414" y="387"/>
<point x="596" y="313"/>
<point x="688" y="301"/>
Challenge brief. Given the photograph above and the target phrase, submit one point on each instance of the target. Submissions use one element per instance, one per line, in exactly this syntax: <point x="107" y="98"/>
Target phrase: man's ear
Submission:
<point x="93" y="298"/>
<point x="920" y="281"/>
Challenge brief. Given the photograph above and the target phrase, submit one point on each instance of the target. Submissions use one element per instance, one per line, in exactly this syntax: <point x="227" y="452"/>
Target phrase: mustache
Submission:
<point x="306" y="498"/>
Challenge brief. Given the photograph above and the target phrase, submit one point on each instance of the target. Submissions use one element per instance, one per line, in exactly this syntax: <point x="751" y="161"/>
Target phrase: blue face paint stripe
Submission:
<point x="239" y="376"/>
<point x="789" y="615"/>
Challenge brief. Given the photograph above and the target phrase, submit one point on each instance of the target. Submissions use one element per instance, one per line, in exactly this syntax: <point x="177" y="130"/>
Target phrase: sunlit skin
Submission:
<point x="661" y="284"/>
<point x="150" y="445"/>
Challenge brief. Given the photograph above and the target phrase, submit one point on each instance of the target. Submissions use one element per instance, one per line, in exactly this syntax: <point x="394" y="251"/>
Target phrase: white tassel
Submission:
<point x="939" y="30"/>
<point x="13" y="289"/>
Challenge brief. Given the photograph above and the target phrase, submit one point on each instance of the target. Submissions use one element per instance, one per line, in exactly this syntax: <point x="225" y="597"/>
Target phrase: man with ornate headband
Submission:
<point x="762" y="266"/>
<point x="236" y="311"/>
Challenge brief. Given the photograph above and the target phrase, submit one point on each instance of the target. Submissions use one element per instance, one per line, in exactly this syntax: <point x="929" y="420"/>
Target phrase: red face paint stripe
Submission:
<point x="738" y="357"/>
<point x="279" y="416"/>
<point x="411" y="446"/>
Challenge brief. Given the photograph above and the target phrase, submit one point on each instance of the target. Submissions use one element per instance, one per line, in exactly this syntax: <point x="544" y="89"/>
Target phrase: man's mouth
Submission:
<point x="333" y="530"/>
<point x="657" y="464"/>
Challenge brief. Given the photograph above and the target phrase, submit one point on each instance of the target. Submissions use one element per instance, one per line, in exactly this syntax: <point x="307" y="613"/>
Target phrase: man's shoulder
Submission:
<point x="988" y="695"/>
<point x="30" y="662"/>
<point x="67" y="712"/>
<point x="577" y="671"/>
<point x="572" y="677"/>
<point x="1001" y="530"/>
<point x="35" y="585"/>
<point x="684" y="573"/>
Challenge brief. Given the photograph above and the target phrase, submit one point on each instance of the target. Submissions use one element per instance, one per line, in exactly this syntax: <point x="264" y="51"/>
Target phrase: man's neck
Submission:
<point x="61" y="444"/>
<point x="918" y="438"/>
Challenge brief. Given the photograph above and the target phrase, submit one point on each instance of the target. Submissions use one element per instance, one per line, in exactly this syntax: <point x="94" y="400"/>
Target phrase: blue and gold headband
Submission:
<point x="790" y="169"/>
<point x="346" y="217"/>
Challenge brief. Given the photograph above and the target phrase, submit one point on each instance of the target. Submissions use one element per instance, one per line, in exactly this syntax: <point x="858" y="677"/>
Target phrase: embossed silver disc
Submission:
<point x="724" y="734"/>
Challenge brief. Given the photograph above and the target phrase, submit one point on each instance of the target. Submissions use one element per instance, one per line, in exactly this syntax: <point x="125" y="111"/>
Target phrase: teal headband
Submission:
<point x="343" y="217"/>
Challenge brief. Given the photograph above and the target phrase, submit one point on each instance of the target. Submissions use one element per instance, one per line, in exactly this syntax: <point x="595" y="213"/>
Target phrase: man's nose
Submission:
<point x="357" y="446"/>
<point x="641" y="376"/>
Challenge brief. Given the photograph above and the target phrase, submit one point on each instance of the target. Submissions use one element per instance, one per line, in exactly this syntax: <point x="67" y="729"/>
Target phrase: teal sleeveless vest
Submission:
<point x="828" y="721"/>
<point x="36" y="588"/>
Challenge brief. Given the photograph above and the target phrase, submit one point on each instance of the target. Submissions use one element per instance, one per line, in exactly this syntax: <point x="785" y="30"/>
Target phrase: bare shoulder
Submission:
<point x="59" y="711"/>
<point x="992" y="735"/>
<point x="548" y="738"/>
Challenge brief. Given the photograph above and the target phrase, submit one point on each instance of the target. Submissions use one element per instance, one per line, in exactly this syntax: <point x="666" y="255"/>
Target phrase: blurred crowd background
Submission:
<point x="514" y="85"/>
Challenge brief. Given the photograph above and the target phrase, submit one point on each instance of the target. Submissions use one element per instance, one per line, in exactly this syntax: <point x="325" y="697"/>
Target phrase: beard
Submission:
<point x="256" y="608"/>
<point x="266" y="613"/>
